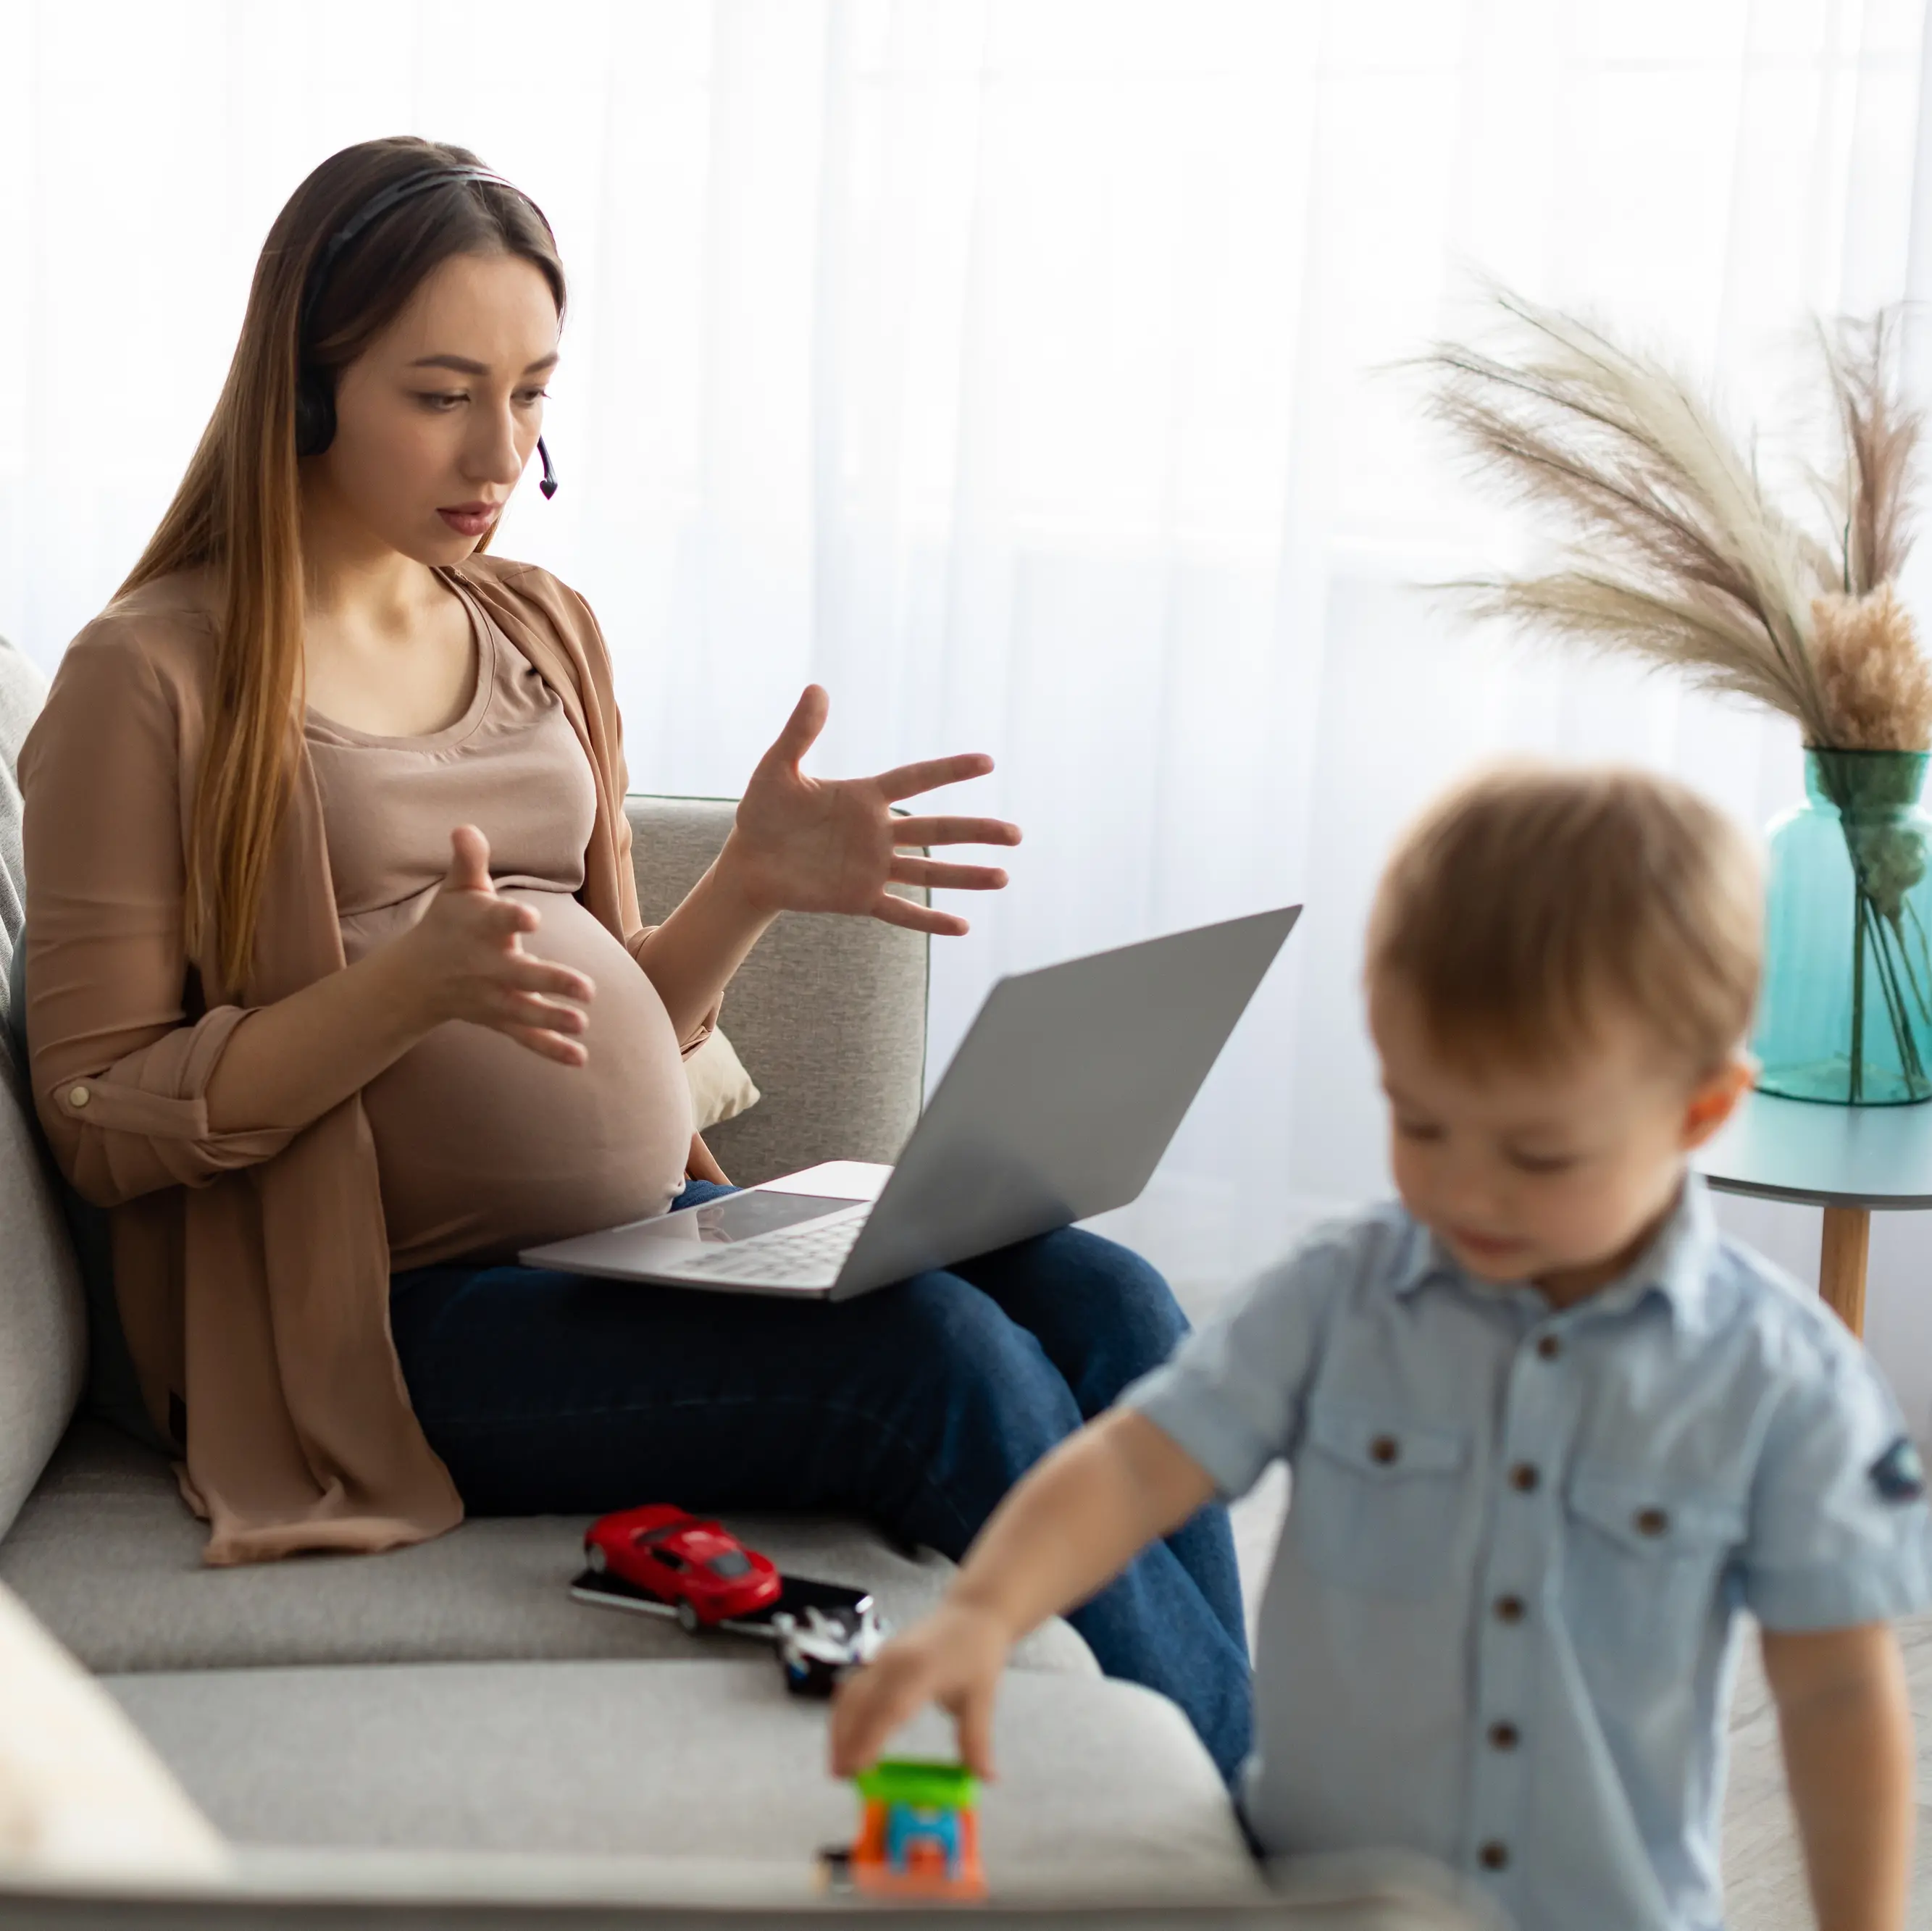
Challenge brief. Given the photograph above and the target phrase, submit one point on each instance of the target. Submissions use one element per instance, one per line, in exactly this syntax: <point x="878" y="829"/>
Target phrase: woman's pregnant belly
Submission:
<point x="484" y="1147"/>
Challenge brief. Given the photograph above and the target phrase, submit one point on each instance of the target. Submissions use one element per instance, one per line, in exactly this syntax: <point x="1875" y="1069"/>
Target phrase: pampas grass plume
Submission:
<point x="1876" y="688"/>
<point x="1674" y="552"/>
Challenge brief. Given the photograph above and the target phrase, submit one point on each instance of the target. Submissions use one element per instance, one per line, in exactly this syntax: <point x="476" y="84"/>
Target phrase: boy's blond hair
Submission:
<point x="1527" y="898"/>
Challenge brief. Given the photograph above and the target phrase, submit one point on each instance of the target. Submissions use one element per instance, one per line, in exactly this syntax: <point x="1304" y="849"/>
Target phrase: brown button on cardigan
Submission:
<point x="251" y="1268"/>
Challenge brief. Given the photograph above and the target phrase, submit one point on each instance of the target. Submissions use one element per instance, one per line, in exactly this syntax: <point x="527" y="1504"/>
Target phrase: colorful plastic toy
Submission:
<point x="919" y="1833"/>
<point x="683" y="1559"/>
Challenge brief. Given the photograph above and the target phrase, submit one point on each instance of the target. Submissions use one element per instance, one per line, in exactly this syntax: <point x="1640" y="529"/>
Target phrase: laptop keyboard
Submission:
<point x="808" y="1255"/>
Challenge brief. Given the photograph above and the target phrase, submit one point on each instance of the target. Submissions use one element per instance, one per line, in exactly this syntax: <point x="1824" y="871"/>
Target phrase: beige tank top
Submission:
<point x="482" y="1147"/>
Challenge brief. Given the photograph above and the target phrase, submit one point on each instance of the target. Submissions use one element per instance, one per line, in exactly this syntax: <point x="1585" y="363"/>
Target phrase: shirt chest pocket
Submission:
<point x="1378" y="1500"/>
<point x="1642" y="1565"/>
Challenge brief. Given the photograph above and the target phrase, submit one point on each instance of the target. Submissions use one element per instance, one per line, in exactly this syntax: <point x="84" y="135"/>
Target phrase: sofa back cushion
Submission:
<point x="43" y="1318"/>
<point x="828" y="1014"/>
<point x="22" y="689"/>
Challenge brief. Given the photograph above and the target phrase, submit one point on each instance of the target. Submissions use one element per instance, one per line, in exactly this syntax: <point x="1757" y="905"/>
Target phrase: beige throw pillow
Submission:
<point x="82" y="1793"/>
<point x="721" y="1089"/>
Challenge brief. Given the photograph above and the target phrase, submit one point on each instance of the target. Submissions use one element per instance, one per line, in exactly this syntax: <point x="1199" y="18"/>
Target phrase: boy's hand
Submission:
<point x="954" y="1658"/>
<point x="1073" y="1522"/>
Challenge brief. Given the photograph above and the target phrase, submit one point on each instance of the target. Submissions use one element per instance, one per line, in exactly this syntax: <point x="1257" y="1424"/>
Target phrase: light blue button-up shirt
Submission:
<point x="1502" y="1624"/>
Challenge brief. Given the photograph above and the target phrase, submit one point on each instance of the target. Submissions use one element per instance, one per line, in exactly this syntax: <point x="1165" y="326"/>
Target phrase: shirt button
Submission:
<point x="78" y="1096"/>
<point x="1549" y="1347"/>
<point x="1509" y="1609"/>
<point x="1494" y="1856"/>
<point x="1503" y="1736"/>
<point x="1523" y="1476"/>
<point x="1651" y="1522"/>
<point x="1384" y="1449"/>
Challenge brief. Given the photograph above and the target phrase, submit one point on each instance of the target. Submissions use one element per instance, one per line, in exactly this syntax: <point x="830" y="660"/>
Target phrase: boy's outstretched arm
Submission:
<point x="1068" y="1529"/>
<point x="1846" y="1725"/>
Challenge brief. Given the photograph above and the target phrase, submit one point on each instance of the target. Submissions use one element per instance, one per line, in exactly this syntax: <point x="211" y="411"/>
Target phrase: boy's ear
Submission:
<point x="1715" y="1100"/>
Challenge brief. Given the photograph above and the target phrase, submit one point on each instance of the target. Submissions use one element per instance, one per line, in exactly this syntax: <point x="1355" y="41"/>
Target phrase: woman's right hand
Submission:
<point x="466" y="959"/>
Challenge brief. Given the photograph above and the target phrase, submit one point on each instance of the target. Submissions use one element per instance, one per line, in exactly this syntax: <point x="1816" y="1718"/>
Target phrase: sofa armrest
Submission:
<point x="828" y="1014"/>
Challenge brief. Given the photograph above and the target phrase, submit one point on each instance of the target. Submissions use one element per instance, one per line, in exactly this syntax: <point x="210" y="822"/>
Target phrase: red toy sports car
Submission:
<point x="697" y="1565"/>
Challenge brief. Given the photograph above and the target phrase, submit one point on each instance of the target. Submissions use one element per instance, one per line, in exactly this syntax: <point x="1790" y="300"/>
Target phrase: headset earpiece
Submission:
<point x="315" y="413"/>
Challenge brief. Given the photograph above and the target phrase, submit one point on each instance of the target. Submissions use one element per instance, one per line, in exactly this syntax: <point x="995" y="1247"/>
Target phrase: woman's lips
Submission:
<point x="470" y="519"/>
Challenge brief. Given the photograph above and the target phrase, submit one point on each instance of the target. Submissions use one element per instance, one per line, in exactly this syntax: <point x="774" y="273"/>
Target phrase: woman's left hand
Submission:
<point x="813" y="844"/>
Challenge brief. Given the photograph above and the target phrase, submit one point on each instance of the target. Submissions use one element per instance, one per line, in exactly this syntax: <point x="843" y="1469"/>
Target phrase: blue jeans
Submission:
<point x="917" y="1407"/>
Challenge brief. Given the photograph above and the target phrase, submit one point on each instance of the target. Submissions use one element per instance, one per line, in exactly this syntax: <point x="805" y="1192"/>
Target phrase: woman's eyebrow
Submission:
<point x="463" y="366"/>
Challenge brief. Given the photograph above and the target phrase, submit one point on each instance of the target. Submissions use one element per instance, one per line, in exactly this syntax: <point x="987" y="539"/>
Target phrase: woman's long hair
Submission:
<point x="237" y="513"/>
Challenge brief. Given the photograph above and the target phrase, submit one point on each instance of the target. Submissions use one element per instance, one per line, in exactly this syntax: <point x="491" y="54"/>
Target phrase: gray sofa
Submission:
<point x="443" y="1720"/>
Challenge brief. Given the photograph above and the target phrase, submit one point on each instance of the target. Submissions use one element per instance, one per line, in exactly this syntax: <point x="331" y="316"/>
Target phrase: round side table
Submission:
<point x="1846" y="1159"/>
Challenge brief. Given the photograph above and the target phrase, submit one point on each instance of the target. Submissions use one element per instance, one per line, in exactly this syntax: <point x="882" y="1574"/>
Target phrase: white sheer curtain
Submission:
<point x="1021" y="369"/>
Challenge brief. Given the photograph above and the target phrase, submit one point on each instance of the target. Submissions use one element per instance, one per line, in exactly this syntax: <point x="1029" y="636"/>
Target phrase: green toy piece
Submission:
<point x="930" y="1785"/>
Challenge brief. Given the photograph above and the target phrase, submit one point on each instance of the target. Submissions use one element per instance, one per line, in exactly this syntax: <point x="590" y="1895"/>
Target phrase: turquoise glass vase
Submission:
<point x="1845" y="1015"/>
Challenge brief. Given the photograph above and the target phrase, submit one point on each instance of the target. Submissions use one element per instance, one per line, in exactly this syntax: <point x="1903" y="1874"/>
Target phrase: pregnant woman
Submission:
<point x="338" y="996"/>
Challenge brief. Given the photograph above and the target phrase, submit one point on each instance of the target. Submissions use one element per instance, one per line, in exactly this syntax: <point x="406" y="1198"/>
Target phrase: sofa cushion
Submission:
<point x="1102" y="1782"/>
<point x="829" y="1013"/>
<point x="22" y="691"/>
<point x="42" y="1321"/>
<point x="108" y="1557"/>
<point x="42" y="1315"/>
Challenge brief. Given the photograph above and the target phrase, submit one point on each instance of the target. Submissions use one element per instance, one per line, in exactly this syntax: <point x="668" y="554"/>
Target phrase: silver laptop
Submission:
<point x="1058" y="1105"/>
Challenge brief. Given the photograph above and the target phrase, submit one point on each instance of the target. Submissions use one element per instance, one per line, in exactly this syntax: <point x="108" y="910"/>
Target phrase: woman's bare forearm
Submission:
<point x="289" y="1063"/>
<point x="1078" y="1519"/>
<point x="692" y="957"/>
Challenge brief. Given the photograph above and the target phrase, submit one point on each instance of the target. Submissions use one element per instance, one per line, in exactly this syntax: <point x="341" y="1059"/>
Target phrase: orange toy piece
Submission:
<point x="918" y="1832"/>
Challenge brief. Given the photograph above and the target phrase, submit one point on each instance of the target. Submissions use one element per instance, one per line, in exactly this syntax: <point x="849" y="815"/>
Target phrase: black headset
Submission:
<point x="315" y="392"/>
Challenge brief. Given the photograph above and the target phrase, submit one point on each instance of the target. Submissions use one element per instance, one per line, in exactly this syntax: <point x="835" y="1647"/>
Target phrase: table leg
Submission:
<point x="1841" y="1263"/>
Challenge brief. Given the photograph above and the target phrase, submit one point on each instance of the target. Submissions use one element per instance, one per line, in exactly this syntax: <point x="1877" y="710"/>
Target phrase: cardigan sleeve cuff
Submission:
<point x="142" y="1123"/>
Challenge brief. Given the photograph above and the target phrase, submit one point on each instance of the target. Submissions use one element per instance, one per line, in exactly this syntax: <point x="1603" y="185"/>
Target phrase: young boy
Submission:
<point x="1550" y="1430"/>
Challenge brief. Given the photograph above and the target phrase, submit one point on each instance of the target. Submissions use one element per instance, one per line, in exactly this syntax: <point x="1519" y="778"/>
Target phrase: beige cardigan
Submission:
<point x="252" y="1269"/>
